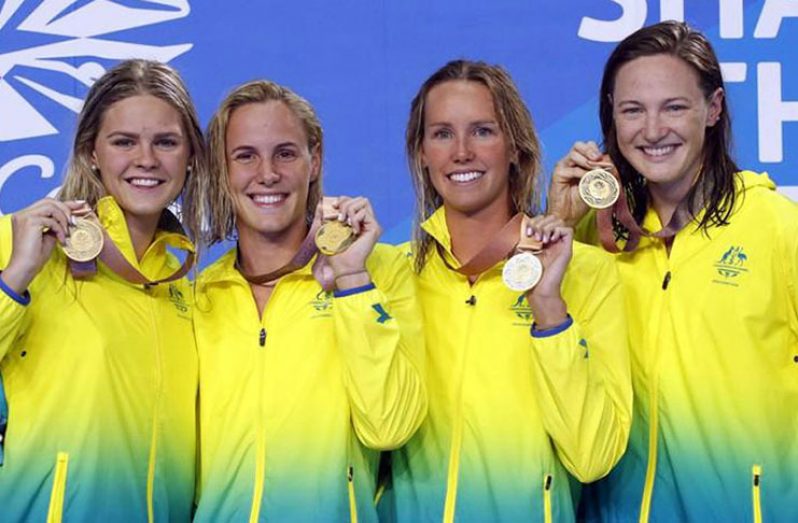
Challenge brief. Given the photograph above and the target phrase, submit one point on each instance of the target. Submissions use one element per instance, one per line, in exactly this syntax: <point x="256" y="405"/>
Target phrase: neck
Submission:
<point x="263" y="253"/>
<point x="665" y="198"/>
<point x="142" y="232"/>
<point x="470" y="232"/>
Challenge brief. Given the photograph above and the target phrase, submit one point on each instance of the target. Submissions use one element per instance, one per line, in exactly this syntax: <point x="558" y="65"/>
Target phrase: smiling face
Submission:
<point x="465" y="150"/>
<point x="661" y="116"/>
<point x="142" y="153"/>
<point x="270" y="168"/>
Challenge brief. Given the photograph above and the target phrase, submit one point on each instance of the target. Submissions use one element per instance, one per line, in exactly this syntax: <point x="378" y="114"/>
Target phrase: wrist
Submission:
<point x="17" y="279"/>
<point x="351" y="279"/>
<point x="548" y="311"/>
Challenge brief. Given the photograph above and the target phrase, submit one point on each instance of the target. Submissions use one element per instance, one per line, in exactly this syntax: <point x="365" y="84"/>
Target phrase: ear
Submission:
<point x="315" y="163"/>
<point x="422" y="157"/>
<point x="94" y="158"/>
<point x="715" y="107"/>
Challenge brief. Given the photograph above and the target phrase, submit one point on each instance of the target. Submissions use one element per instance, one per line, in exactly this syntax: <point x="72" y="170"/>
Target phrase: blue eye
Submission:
<point x="167" y="143"/>
<point x="483" y="131"/>
<point x="442" y="133"/>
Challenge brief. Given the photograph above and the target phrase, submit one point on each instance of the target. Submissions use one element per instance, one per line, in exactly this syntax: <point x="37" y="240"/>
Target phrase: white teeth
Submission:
<point x="144" y="182"/>
<point x="268" y="198"/>
<point x="465" y="177"/>
<point x="659" y="151"/>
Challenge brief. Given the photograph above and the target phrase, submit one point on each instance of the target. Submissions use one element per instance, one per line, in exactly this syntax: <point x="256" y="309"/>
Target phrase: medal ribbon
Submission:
<point x="498" y="248"/>
<point x="620" y="209"/>
<point x="303" y="255"/>
<point x="116" y="261"/>
<point x="307" y="249"/>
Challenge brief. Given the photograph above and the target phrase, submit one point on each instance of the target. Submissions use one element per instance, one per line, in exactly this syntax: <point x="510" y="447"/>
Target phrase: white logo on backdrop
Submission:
<point x="84" y="31"/>
<point x="78" y="33"/>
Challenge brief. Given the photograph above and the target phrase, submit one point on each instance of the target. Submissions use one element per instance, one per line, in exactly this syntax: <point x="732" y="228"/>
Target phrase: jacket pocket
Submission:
<point x="547" y="498"/>
<point x="756" y="480"/>
<point x="350" y="483"/>
<point x="56" y="509"/>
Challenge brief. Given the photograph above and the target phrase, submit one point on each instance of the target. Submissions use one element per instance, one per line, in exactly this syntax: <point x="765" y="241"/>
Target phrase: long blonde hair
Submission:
<point x="515" y="122"/>
<point x="127" y="79"/>
<point x="221" y="219"/>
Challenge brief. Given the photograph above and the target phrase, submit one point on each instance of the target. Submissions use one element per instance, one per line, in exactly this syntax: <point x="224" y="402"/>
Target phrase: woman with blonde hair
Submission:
<point x="97" y="354"/>
<point x="309" y="364"/>
<point x="529" y="385"/>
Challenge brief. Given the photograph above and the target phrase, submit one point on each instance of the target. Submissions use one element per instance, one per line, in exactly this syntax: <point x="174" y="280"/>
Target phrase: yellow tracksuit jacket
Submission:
<point x="513" y="418"/>
<point x="714" y="333"/>
<point x="294" y="404"/>
<point x="100" y="378"/>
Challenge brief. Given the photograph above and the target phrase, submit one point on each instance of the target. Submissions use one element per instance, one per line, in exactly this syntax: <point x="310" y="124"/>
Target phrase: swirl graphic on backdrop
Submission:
<point x="75" y="53"/>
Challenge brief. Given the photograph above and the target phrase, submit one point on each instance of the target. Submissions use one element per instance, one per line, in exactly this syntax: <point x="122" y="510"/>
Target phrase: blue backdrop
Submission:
<point x="360" y="63"/>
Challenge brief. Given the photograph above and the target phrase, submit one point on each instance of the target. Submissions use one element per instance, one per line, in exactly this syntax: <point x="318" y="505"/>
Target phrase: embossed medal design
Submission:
<point x="85" y="240"/>
<point x="334" y="237"/>
<point x="522" y="272"/>
<point x="599" y="189"/>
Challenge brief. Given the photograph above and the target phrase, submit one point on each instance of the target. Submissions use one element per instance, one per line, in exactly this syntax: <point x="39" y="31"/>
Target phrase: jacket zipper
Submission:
<point x="547" y="498"/>
<point x="756" y="473"/>
<point x="457" y="428"/>
<point x="56" y="508"/>
<point x="350" y="483"/>
<point x="653" y="408"/>
<point x="260" y="453"/>
<point x="156" y="408"/>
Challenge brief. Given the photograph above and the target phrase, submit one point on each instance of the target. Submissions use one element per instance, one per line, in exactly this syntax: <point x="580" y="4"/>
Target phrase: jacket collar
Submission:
<point x="224" y="270"/>
<point x="436" y="227"/>
<point x="155" y="259"/>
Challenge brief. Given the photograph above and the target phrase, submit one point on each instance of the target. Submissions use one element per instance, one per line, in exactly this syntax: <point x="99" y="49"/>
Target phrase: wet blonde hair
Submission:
<point x="127" y="79"/>
<point x="221" y="219"/>
<point x="516" y="124"/>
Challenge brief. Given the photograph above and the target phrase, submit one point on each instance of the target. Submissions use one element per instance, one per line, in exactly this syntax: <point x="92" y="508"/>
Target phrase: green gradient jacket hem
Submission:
<point x="714" y="333"/>
<point x="295" y="406"/>
<point x="513" y="420"/>
<point x="101" y="381"/>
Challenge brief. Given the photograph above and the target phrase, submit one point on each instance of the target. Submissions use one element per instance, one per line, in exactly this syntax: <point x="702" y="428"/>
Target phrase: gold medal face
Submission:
<point x="522" y="272"/>
<point x="85" y="241"/>
<point x="334" y="237"/>
<point x="599" y="189"/>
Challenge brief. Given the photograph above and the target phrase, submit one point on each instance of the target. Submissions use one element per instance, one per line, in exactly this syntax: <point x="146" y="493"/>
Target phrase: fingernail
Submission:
<point x="341" y="217"/>
<point x="72" y="219"/>
<point x="529" y="231"/>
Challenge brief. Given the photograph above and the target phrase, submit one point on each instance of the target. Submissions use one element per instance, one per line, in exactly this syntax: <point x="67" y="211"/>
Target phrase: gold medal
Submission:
<point x="85" y="240"/>
<point x="334" y="237"/>
<point x="522" y="272"/>
<point x="599" y="189"/>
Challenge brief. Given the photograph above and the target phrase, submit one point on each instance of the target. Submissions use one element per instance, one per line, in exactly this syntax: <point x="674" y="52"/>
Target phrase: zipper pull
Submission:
<point x="262" y="337"/>
<point x="350" y="473"/>
<point x="666" y="281"/>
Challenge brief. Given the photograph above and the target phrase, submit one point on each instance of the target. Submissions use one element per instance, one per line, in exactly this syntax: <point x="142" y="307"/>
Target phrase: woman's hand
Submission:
<point x="35" y="230"/>
<point x="563" y="199"/>
<point x="545" y="299"/>
<point x="349" y="267"/>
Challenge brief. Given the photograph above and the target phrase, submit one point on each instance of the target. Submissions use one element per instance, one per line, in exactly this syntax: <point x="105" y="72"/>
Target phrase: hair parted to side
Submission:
<point x="515" y="122"/>
<point x="221" y="219"/>
<point x="132" y="78"/>
<point x="714" y="190"/>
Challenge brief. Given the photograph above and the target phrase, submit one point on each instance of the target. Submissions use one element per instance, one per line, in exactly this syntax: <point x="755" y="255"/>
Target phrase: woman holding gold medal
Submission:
<point x="98" y="359"/>
<point x="709" y="260"/>
<point x="527" y="360"/>
<point x="309" y="363"/>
